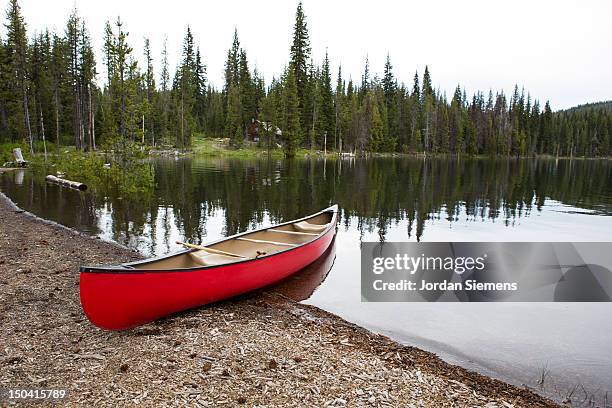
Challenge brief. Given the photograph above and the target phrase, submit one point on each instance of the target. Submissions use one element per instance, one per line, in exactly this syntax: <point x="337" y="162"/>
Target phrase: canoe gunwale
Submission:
<point x="128" y="268"/>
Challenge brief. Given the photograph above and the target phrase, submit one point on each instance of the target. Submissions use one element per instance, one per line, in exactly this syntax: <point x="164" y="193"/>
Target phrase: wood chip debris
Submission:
<point x="259" y="350"/>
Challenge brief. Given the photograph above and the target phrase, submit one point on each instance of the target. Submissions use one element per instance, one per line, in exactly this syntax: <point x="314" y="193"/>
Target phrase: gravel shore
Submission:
<point x="258" y="350"/>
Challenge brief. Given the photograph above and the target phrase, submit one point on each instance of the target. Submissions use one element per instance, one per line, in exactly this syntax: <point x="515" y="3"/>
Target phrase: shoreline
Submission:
<point x="260" y="348"/>
<point x="217" y="147"/>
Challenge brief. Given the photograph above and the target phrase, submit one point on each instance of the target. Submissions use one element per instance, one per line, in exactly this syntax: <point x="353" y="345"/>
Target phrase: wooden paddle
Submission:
<point x="211" y="250"/>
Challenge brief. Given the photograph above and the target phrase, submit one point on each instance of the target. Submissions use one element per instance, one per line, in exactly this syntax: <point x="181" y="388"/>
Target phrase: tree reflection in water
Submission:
<point x="374" y="195"/>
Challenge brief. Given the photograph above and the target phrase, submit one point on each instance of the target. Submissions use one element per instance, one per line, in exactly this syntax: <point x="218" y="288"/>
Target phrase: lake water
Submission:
<point x="391" y="199"/>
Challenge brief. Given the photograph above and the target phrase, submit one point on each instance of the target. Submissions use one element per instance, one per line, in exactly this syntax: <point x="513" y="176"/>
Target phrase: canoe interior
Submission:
<point x="248" y="246"/>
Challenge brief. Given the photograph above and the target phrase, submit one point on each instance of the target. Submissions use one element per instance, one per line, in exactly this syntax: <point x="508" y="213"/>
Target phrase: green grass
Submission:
<point x="6" y="152"/>
<point x="215" y="147"/>
<point x="219" y="147"/>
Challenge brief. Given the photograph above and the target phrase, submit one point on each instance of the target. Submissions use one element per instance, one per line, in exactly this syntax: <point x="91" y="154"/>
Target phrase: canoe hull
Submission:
<point x="125" y="299"/>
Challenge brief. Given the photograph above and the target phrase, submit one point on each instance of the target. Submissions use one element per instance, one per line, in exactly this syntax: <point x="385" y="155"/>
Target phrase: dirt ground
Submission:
<point x="259" y="350"/>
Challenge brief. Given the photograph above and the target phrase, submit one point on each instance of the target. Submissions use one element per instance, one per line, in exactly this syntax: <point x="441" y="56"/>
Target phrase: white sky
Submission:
<point x="558" y="50"/>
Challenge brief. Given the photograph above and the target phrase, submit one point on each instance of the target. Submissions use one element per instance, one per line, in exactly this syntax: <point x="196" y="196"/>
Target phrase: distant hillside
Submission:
<point x="607" y="105"/>
<point x="584" y="130"/>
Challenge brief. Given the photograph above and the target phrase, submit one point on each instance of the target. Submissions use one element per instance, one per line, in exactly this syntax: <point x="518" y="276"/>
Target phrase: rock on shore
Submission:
<point x="258" y="350"/>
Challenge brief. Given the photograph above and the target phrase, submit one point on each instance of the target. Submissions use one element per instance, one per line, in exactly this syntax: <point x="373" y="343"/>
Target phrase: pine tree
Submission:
<point x="326" y="100"/>
<point x="81" y="76"/>
<point x="428" y="103"/>
<point x="200" y="90"/>
<point x="312" y="104"/>
<point x="165" y="71"/>
<point x="338" y="109"/>
<point x="119" y="87"/>
<point x="163" y="99"/>
<point x="416" y="88"/>
<point x="415" y="122"/>
<point x="390" y="89"/>
<point x="365" y="80"/>
<point x="456" y="123"/>
<point x="292" y="131"/>
<point x="150" y="90"/>
<point x="87" y="77"/>
<point x="232" y="63"/>
<point x="72" y="39"/>
<point x="247" y="92"/>
<point x="267" y="122"/>
<point x="16" y="50"/>
<point x="41" y="84"/>
<point x="376" y="130"/>
<point x="427" y="88"/>
<point x="58" y="69"/>
<point x="546" y="129"/>
<point x="109" y="52"/>
<point x="125" y="96"/>
<point x="444" y="144"/>
<point x="234" y="126"/>
<point x="534" y="128"/>
<point x="388" y="82"/>
<point x="351" y="114"/>
<point x="5" y="93"/>
<point x="299" y="57"/>
<point x="187" y="89"/>
<point x="259" y="91"/>
<point x="232" y="78"/>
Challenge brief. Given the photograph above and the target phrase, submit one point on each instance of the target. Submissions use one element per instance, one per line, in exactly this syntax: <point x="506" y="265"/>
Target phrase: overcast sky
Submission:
<point x="557" y="50"/>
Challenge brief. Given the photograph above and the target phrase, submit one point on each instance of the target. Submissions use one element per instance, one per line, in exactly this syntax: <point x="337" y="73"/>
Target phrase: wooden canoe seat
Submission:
<point x="208" y="259"/>
<point x="261" y="241"/>
<point x="305" y="226"/>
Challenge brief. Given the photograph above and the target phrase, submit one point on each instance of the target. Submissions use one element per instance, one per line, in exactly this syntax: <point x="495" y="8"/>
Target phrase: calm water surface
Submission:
<point x="393" y="200"/>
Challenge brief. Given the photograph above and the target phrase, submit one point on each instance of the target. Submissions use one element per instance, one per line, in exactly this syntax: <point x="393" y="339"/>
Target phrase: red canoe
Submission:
<point x="123" y="296"/>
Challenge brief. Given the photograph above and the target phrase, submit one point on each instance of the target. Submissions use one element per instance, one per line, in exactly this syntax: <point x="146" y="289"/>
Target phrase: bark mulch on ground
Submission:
<point x="258" y="350"/>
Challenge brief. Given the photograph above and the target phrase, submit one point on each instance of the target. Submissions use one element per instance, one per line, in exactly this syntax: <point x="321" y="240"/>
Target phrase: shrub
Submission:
<point x="120" y="170"/>
<point x="6" y="152"/>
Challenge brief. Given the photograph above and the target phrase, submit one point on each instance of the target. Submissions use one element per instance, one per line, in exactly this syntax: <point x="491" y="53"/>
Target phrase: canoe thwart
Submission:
<point x="294" y="232"/>
<point x="211" y="250"/>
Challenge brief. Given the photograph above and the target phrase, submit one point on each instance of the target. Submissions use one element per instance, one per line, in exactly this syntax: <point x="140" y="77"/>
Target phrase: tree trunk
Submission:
<point x="79" y="119"/>
<point x="75" y="118"/>
<point x="26" y="115"/>
<point x="92" y="121"/>
<point x="42" y="130"/>
<point x="82" y="119"/>
<point x="314" y="120"/>
<point x="122" y="116"/>
<point x="182" y="120"/>
<point x="76" y="115"/>
<point x="57" y="130"/>
<point x="336" y="126"/>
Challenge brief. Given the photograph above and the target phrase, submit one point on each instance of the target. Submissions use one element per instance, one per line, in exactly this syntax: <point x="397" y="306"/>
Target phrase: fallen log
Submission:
<point x="68" y="183"/>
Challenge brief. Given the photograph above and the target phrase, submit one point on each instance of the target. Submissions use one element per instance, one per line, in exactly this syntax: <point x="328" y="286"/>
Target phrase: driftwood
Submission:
<point x="67" y="183"/>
